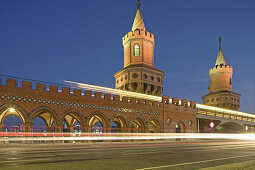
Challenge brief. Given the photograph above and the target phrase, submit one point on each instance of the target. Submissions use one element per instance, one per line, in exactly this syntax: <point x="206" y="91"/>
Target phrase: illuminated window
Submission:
<point x="137" y="50"/>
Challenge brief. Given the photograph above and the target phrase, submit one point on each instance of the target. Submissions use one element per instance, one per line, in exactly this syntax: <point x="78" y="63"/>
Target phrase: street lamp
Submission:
<point x="12" y="110"/>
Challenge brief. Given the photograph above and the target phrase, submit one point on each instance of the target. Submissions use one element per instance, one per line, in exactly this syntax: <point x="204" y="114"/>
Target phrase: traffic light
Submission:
<point x="211" y="124"/>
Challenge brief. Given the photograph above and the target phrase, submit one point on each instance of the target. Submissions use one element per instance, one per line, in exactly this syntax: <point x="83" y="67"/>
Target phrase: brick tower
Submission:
<point x="221" y="94"/>
<point x="139" y="74"/>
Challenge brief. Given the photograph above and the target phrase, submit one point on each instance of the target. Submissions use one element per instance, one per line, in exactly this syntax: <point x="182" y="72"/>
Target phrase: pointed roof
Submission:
<point x="220" y="58"/>
<point x="138" y="22"/>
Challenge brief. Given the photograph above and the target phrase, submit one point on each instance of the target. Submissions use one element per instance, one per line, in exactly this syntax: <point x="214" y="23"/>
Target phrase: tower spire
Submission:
<point x="220" y="58"/>
<point x="138" y="21"/>
<point x="138" y="3"/>
<point x="219" y="43"/>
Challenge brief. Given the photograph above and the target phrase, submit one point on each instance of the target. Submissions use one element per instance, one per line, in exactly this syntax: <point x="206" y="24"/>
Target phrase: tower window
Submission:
<point x="137" y="50"/>
<point x="230" y="81"/>
<point x="158" y="79"/>
<point x="134" y="75"/>
<point x="145" y="76"/>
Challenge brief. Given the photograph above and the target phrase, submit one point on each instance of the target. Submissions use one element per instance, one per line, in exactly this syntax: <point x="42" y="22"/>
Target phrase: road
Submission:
<point x="140" y="155"/>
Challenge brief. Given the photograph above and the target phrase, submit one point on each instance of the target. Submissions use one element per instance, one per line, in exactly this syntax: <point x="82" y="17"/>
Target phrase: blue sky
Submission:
<point x="82" y="41"/>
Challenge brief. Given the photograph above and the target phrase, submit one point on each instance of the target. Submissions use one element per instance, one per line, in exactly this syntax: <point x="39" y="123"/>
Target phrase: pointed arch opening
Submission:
<point x="72" y="123"/>
<point x="97" y="124"/>
<point x="44" y="120"/>
<point x="154" y="126"/>
<point x="137" y="126"/>
<point x="118" y="125"/>
<point x="11" y="120"/>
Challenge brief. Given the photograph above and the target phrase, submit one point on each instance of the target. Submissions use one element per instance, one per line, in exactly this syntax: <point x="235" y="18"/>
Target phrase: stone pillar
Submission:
<point x="140" y="88"/>
<point x="1" y="131"/>
<point x="48" y="129"/>
<point x="27" y="128"/>
<point x="155" y="90"/>
<point x="59" y="127"/>
<point x="1" y="127"/>
<point x="59" y="130"/>
<point x="148" y="89"/>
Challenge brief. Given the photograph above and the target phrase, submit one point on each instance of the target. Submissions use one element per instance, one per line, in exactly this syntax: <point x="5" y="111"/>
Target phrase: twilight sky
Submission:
<point x="82" y="41"/>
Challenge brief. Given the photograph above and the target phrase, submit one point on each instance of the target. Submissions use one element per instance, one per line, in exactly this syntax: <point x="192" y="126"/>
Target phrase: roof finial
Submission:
<point x="138" y="3"/>
<point x="138" y="22"/>
<point x="220" y="43"/>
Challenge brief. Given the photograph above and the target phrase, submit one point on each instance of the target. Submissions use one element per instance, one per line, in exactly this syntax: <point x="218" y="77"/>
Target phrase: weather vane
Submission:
<point x="138" y="3"/>
<point x="220" y="43"/>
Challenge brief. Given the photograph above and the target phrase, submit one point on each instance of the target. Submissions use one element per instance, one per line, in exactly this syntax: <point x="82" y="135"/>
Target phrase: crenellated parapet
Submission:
<point x="138" y="34"/>
<point x="221" y="69"/>
<point x="61" y="93"/>
<point x="177" y="104"/>
<point x="221" y="78"/>
<point x="51" y="92"/>
<point x="44" y="98"/>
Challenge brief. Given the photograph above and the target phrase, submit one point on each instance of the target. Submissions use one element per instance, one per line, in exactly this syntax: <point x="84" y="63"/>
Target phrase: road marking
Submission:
<point x="189" y="163"/>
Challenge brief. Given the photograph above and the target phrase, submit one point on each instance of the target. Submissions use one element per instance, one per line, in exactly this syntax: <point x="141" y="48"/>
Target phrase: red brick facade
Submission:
<point x="53" y="105"/>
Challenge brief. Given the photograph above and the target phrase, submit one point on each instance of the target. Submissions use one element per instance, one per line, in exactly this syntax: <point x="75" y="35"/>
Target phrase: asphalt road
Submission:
<point x="149" y="155"/>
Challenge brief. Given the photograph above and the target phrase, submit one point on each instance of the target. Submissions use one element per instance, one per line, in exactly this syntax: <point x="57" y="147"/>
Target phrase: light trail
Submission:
<point x="202" y="106"/>
<point x="149" y="97"/>
<point x="113" y="91"/>
<point x="120" y="136"/>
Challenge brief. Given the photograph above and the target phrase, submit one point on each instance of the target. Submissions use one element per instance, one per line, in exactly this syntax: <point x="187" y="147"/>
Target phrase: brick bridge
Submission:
<point x="59" y="106"/>
<point x="100" y="109"/>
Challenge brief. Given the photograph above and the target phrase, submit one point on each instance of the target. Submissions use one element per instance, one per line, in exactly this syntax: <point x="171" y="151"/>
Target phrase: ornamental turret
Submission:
<point x="139" y="74"/>
<point x="220" y="88"/>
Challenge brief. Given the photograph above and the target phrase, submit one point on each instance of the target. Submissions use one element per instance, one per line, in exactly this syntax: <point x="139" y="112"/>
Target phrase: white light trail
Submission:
<point x="201" y="106"/>
<point x="149" y="97"/>
<point x="132" y="136"/>
<point x="113" y="91"/>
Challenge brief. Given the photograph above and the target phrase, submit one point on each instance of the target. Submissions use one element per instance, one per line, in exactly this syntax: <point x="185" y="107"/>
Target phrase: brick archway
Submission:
<point x="91" y="121"/>
<point x="49" y="115"/>
<point x="137" y="124"/>
<point x="154" y="125"/>
<point x="76" y="114"/>
<point x="121" y="121"/>
<point x="18" y="111"/>
<point x="180" y="127"/>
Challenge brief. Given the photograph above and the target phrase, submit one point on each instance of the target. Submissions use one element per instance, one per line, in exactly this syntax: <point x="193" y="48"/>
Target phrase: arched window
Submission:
<point x="137" y="50"/>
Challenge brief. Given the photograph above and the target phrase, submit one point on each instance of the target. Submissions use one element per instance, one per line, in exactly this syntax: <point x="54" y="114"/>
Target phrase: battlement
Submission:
<point x="138" y="34"/>
<point x="32" y="89"/>
<point x="221" y="68"/>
